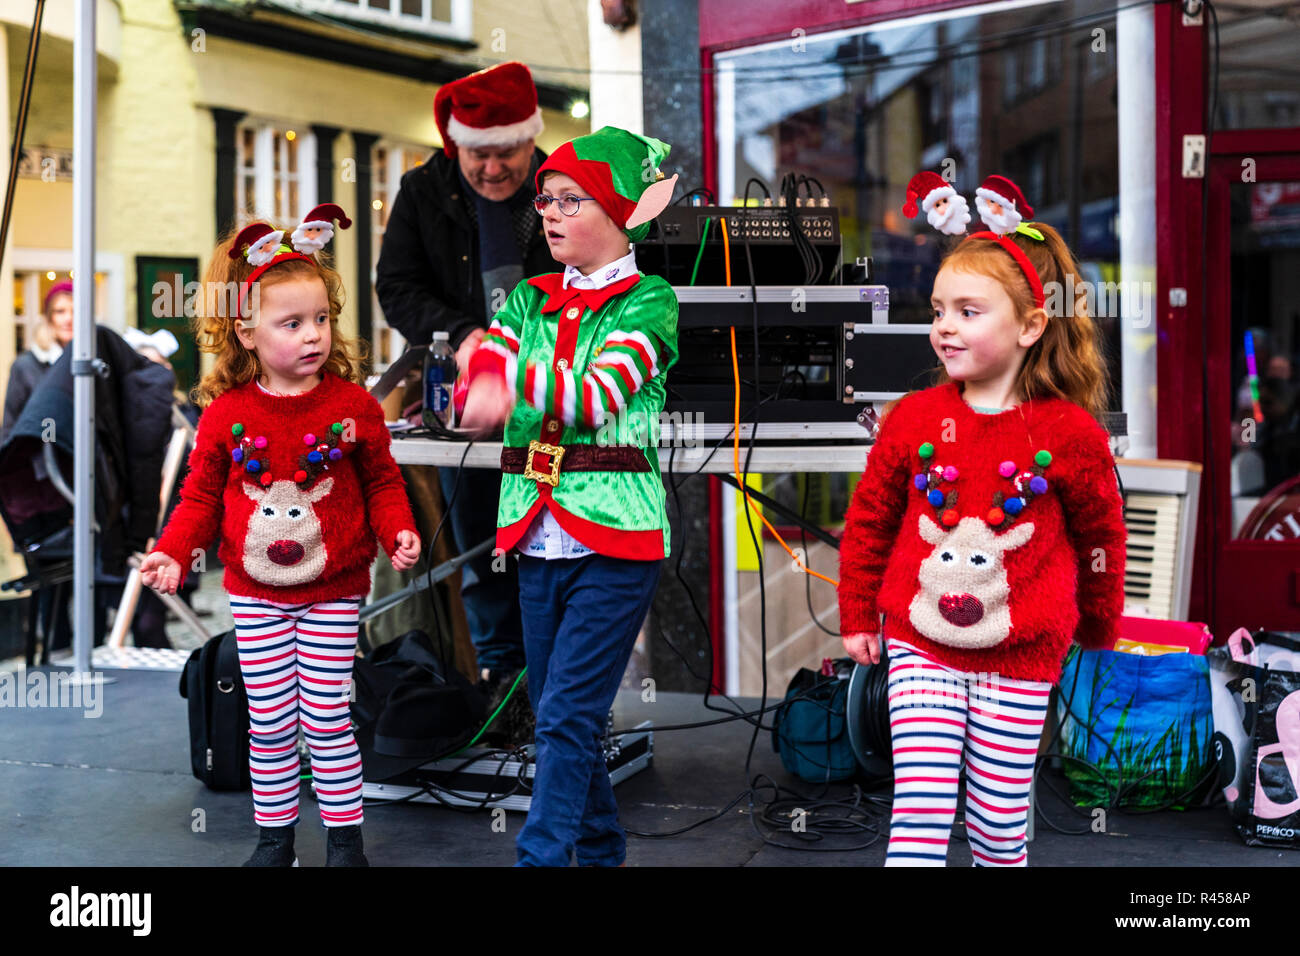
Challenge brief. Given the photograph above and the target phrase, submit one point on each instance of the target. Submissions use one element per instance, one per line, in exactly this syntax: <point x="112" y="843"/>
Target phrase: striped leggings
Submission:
<point x="938" y="715"/>
<point x="297" y="665"/>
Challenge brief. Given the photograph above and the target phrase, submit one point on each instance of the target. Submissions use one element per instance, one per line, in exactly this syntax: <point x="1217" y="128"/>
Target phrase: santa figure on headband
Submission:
<point x="1002" y="205"/>
<point x="264" y="248"/>
<point x="317" y="228"/>
<point x="945" y="208"/>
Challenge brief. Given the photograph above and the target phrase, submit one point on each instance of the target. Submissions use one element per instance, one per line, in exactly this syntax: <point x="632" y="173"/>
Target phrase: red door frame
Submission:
<point x="1258" y="583"/>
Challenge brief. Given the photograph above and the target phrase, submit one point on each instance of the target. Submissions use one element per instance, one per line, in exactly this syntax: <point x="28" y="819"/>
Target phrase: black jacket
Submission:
<point x="133" y="408"/>
<point x="24" y="374"/>
<point x="428" y="276"/>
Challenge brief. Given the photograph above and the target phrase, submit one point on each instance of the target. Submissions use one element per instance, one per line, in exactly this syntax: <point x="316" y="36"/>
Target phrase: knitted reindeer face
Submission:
<point x="963" y="599"/>
<point x="283" y="544"/>
<point x="964" y="592"/>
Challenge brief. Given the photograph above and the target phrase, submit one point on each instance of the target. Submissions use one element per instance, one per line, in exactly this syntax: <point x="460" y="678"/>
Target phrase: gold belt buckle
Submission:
<point x="557" y="455"/>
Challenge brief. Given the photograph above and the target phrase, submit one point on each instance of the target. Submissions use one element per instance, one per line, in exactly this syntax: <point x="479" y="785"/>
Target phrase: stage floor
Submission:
<point x="116" y="790"/>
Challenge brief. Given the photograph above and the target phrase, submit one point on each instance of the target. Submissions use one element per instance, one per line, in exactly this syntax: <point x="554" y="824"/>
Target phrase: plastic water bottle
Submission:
<point x="439" y="380"/>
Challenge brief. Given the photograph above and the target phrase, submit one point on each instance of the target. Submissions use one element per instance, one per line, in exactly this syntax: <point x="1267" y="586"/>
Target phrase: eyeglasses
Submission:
<point x="569" y="205"/>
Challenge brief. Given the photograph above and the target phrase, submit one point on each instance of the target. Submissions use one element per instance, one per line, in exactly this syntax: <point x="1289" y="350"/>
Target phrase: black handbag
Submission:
<point x="218" y="705"/>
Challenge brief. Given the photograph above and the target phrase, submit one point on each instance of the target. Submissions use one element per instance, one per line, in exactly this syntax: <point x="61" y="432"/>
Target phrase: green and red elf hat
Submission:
<point x="621" y="172"/>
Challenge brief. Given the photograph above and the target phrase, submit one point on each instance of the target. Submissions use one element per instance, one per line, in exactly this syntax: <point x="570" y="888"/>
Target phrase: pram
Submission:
<point x="136" y="426"/>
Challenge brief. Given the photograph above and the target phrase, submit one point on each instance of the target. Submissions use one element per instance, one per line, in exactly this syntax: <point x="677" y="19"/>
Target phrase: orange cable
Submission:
<point x="735" y="442"/>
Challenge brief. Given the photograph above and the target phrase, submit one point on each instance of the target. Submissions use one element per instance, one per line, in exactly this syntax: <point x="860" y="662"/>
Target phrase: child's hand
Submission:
<point x="863" y="648"/>
<point x="161" y="572"/>
<point x="408" y="550"/>
<point x="467" y="348"/>
<point x="487" y="406"/>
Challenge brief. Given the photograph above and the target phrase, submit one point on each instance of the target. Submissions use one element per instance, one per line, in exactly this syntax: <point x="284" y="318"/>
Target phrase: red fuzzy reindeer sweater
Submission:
<point x="988" y="541"/>
<point x="299" y="487"/>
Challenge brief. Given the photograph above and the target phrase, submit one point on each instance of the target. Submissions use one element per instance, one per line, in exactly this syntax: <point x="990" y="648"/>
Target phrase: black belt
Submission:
<point x="515" y="461"/>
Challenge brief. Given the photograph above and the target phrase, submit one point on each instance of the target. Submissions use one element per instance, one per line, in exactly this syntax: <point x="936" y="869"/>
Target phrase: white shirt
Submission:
<point x="607" y="274"/>
<point x="544" y="537"/>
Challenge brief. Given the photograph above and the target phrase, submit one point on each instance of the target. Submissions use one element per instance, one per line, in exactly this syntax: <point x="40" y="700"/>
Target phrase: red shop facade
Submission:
<point x="1162" y="139"/>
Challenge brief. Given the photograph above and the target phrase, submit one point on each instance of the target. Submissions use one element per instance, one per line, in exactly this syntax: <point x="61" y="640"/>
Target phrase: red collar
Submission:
<point x="558" y="297"/>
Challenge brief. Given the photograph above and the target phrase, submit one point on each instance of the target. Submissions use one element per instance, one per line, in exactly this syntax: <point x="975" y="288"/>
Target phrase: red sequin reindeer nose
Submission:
<point x="285" y="553"/>
<point x="962" y="610"/>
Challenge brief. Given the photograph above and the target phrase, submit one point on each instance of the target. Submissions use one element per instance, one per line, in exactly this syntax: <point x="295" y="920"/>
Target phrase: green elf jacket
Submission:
<point x="588" y="367"/>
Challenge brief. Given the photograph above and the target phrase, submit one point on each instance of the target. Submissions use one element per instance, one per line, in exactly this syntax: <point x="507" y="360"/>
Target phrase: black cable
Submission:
<point x="697" y="191"/>
<point x="433" y="541"/>
<point x="428" y="788"/>
<point x="762" y="185"/>
<point x="807" y="578"/>
<point x="821" y="534"/>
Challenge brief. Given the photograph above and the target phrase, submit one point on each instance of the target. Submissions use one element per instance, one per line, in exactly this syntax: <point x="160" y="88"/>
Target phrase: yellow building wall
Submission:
<point x="42" y="217"/>
<point x="156" y="162"/>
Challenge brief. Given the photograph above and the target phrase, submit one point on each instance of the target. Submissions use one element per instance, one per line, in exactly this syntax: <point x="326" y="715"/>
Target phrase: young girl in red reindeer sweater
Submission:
<point x="987" y="530"/>
<point x="291" y="466"/>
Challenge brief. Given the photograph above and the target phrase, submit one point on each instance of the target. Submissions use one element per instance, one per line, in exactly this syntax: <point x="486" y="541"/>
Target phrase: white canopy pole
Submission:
<point x="83" y="346"/>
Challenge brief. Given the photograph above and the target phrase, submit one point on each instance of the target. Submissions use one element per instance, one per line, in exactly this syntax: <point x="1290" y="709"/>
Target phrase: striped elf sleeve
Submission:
<point x="497" y="353"/>
<point x="627" y="360"/>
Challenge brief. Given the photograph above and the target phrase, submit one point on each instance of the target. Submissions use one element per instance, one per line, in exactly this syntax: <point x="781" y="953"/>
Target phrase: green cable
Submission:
<point x="700" y="255"/>
<point x="500" y="707"/>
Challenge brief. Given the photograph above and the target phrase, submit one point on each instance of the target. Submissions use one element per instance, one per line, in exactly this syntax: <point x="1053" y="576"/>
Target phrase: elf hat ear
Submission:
<point x="653" y="201"/>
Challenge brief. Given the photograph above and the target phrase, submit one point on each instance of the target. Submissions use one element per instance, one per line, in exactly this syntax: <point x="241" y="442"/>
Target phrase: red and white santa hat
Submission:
<point x="324" y="215"/>
<point x="929" y="188"/>
<point x="1003" y="191"/>
<point x="493" y="107"/>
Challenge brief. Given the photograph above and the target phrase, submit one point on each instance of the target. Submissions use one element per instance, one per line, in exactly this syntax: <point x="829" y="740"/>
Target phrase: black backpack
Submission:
<point x="214" y="686"/>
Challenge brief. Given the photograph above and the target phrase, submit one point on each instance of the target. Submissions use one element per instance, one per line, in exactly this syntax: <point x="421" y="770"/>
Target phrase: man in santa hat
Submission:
<point x="462" y="233"/>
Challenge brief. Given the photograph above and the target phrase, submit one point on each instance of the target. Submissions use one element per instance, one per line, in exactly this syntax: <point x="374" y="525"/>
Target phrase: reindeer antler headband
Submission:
<point x="264" y="247"/>
<point x="1001" y="205"/>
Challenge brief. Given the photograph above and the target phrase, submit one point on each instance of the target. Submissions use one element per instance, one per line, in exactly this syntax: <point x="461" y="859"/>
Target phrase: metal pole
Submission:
<point x="83" y="346"/>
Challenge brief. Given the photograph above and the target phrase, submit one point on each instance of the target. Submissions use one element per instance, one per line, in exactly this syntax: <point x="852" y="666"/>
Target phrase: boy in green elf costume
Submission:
<point x="575" y="365"/>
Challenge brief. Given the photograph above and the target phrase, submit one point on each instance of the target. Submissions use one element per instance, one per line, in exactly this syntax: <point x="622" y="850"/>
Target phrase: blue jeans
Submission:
<point x="491" y="598"/>
<point x="581" y="619"/>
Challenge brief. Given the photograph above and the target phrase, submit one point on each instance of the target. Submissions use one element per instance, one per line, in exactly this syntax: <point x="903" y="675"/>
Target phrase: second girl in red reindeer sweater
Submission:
<point x="987" y="529"/>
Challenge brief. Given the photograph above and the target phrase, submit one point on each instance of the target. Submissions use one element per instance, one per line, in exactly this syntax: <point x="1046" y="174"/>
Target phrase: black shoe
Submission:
<point x="274" y="848"/>
<point x="343" y="847"/>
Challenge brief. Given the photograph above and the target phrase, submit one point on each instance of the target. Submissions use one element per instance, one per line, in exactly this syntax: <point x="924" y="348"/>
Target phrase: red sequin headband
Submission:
<point x="1027" y="267"/>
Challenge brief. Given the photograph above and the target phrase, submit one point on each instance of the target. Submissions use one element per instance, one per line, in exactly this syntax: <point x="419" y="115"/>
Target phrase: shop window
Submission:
<point x="446" y="19"/>
<point x="1257" y="57"/>
<point x="863" y="109"/>
<point x="275" y="173"/>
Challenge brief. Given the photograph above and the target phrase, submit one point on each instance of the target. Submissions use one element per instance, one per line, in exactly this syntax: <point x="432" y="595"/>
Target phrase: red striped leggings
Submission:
<point x="937" y="716"/>
<point x="297" y="665"/>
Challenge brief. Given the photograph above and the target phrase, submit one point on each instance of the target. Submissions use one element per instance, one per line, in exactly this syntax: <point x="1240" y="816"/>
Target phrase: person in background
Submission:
<point x="50" y="337"/>
<point x="461" y="235"/>
<point x="148" y="628"/>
